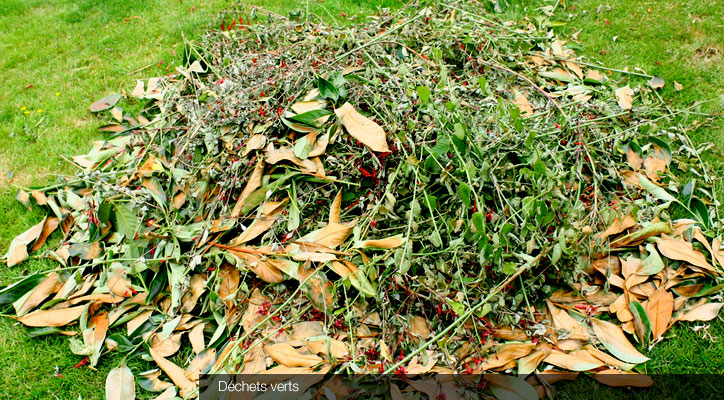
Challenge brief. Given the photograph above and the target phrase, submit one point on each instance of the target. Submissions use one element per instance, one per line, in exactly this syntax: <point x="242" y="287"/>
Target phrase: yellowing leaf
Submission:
<point x="529" y="363"/>
<point x="615" y="341"/>
<point x="285" y="354"/>
<point x="120" y="384"/>
<point x="59" y="317"/>
<point x="362" y="128"/>
<point x="386" y="243"/>
<point x="625" y="97"/>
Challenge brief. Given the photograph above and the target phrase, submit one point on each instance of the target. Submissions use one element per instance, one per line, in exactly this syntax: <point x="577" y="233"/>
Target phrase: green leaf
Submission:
<point x="464" y="191"/>
<point x="124" y="219"/>
<point x="700" y="212"/>
<point x="310" y="117"/>
<point x="555" y="75"/>
<point x="655" y="190"/>
<point x="327" y="90"/>
<point x="642" y="324"/>
<point x="653" y="263"/>
<point x="478" y="221"/>
<point x="424" y="94"/>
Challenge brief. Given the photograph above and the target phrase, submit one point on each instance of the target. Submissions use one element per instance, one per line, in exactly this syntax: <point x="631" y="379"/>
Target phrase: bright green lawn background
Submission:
<point x="57" y="57"/>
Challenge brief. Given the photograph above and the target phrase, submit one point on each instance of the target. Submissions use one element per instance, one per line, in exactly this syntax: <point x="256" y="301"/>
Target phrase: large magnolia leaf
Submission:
<point x="702" y="312"/>
<point x="579" y="360"/>
<point x="677" y="249"/>
<point x="286" y="355"/>
<point x="264" y="220"/>
<point x="615" y="341"/>
<point x="59" y="317"/>
<point x="507" y="353"/>
<point x="659" y="309"/>
<point x="177" y="375"/>
<point x="362" y="128"/>
<point x="120" y="384"/>
<point x="18" y="250"/>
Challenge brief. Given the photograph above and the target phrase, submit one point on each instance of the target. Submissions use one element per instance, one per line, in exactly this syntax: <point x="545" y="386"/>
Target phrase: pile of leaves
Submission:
<point x="426" y="193"/>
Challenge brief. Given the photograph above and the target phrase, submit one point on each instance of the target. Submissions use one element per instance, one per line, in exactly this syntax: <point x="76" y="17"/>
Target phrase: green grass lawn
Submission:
<point x="60" y="56"/>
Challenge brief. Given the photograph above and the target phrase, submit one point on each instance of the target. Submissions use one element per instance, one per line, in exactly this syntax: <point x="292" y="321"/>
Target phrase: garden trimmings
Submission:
<point x="429" y="191"/>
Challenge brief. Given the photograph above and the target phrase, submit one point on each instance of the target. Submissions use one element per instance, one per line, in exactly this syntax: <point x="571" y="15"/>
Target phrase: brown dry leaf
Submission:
<point x="168" y="346"/>
<point x="419" y="327"/>
<point x="625" y="97"/>
<point x="415" y="366"/>
<point x="264" y="220"/>
<point x="362" y="128"/>
<point x="118" y="284"/>
<point x="197" y="286"/>
<point x="718" y="254"/>
<point x="653" y="166"/>
<point x="386" y="243"/>
<point x="678" y="86"/>
<point x="575" y="68"/>
<point x="177" y="375"/>
<point x="634" y="159"/>
<point x="39" y="197"/>
<point x="522" y="102"/>
<point x="48" y="286"/>
<point x="18" y="250"/>
<point x="529" y="363"/>
<point x="230" y="277"/>
<point x="678" y="249"/>
<point x="254" y="359"/>
<point x="563" y="320"/>
<point x="307" y="329"/>
<point x="334" y="347"/>
<point x="49" y="226"/>
<point x="594" y="75"/>
<point x="263" y="267"/>
<point x="606" y="358"/>
<point x="256" y="142"/>
<point x="618" y="226"/>
<point x="59" y="317"/>
<point x="196" y="337"/>
<point x="579" y="360"/>
<point x="333" y="234"/>
<point x="254" y="183"/>
<point x="614" y="377"/>
<point x="507" y="353"/>
<point x="336" y="208"/>
<point x="615" y="341"/>
<point x="702" y="312"/>
<point x="286" y="355"/>
<point x="138" y="320"/>
<point x="659" y="309"/>
<point x="202" y="362"/>
<point x="253" y="316"/>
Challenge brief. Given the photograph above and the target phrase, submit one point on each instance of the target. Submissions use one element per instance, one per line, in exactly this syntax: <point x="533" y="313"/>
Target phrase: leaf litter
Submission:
<point x="434" y="183"/>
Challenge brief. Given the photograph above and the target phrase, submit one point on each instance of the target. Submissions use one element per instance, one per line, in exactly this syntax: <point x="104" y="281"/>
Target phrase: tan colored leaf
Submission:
<point x="285" y="354"/>
<point x="39" y="197"/>
<point x="118" y="284"/>
<point x="563" y="320"/>
<point x="522" y="102"/>
<point x="168" y="394"/>
<point x="196" y="337"/>
<point x="607" y="358"/>
<point x="625" y="97"/>
<point x="702" y="312"/>
<point x="253" y="316"/>
<point x="615" y="341"/>
<point x="333" y="234"/>
<point x="254" y="359"/>
<point x="18" y="250"/>
<point x="49" y="226"/>
<point x="137" y="321"/>
<point x="307" y="329"/>
<point x="634" y="159"/>
<point x="229" y="277"/>
<point x="202" y="362"/>
<point x="362" y="128"/>
<point x="336" y="208"/>
<point x="301" y="107"/>
<point x="678" y="86"/>
<point x="614" y="377"/>
<point x="416" y="366"/>
<point x="681" y="250"/>
<point x="594" y="75"/>
<point x="653" y="166"/>
<point x="256" y="142"/>
<point x="579" y="360"/>
<point x="333" y="347"/>
<point x="386" y="243"/>
<point x="263" y="267"/>
<point x="529" y="363"/>
<point x="254" y="183"/>
<point x="177" y="375"/>
<point x="168" y="346"/>
<point x="659" y="309"/>
<point x="264" y="220"/>
<point x="575" y="68"/>
<point x="197" y="286"/>
<point x="419" y="327"/>
<point x="58" y="317"/>
<point x="120" y="384"/>
<point x="618" y="226"/>
<point x="507" y="353"/>
<point x="48" y="286"/>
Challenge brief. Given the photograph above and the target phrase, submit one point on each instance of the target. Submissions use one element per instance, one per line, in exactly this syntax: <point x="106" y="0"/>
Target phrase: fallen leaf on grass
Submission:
<point x="659" y="308"/>
<point x="702" y="312"/>
<point x="48" y="286"/>
<point x="615" y="341"/>
<point x="120" y="384"/>
<point x="362" y="128"/>
<point x="579" y="360"/>
<point x="59" y="317"/>
<point x="176" y="373"/>
<point x="18" y="250"/>
<point x="522" y="102"/>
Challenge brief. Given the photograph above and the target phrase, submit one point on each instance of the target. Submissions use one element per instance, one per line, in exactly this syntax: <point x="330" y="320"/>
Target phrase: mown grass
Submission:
<point x="60" y="56"/>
